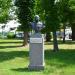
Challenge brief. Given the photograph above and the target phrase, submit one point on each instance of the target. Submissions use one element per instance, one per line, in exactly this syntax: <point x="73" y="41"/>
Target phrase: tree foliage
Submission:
<point x="72" y="17"/>
<point x="50" y="8"/>
<point x="51" y="15"/>
<point x="25" y="12"/>
<point x="4" y="10"/>
<point x="38" y="9"/>
<point x="71" y="10"/>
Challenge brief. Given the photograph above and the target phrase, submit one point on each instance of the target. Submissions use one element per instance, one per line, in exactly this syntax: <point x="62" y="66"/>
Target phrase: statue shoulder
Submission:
<point x="40" y="22"/>
<point x="32" y="23"/>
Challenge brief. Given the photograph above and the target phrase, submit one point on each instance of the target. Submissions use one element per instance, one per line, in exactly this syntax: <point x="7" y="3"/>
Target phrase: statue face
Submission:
<point x="37" y="18"/>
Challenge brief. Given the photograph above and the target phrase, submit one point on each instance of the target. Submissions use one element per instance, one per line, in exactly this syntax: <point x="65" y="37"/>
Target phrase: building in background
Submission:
<point x="11" y="26"/>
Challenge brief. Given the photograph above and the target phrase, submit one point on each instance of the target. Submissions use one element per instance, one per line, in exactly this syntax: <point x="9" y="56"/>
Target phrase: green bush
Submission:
<point x="11" y="35"/>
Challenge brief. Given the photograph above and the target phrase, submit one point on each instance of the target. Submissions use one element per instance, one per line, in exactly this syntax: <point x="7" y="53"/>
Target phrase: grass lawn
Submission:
<point x="14" y="59"/>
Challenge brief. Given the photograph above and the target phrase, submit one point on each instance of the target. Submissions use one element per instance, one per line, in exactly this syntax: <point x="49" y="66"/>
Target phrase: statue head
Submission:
<point x="36" y="18"/>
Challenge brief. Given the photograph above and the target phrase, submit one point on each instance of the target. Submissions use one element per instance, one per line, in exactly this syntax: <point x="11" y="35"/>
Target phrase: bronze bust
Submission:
<point x="37" y="25"/>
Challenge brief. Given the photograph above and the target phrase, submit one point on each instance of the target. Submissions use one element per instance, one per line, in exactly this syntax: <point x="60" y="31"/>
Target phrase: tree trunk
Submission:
<point x="25" y="39"/>
<point x="55" y="41"/>
<point x="73" y="32"/>
<point x="64" y="34"/>
<point x="48" y="37"/>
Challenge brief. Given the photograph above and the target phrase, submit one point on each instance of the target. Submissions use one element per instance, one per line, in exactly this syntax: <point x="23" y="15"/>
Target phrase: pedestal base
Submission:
<point x="36" y="53"/>
<point x="38" y="67"/>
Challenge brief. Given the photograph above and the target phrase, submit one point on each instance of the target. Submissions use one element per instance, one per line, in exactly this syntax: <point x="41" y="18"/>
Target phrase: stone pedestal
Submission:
<point x="36" y="52"/>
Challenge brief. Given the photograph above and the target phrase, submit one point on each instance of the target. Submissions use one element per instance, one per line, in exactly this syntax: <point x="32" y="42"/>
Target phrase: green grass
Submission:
<point x="14" y="59"/>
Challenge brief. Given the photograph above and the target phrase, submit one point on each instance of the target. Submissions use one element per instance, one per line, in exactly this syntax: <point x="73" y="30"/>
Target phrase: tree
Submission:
<point x="64" y="11"/>
<point x="25" y="12"/>
<point x="72" y="17"/>
<point x="67" y="10"/>
<point x="50" y="8"/>
<point x="4" y="10"/>
<point x="48" y="37"/>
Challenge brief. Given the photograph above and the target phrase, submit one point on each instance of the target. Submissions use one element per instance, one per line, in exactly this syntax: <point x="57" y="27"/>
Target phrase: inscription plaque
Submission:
<point x="35" y="40"/>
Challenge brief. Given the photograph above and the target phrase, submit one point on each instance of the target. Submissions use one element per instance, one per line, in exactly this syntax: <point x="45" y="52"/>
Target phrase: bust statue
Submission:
<point x="37" y="25"/>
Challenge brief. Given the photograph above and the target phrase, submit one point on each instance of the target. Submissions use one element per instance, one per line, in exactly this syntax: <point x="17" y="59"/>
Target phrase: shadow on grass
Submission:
<point x="3" y="47"/>
<point x="61" y="59"/>
<point x="69" y="42"/>
<point x="7" y="44"/>
<point x="25" y="70"/>
<point x="21" y="69"/>
<point x="10" y="42"/>
<point x="6" y="56"/>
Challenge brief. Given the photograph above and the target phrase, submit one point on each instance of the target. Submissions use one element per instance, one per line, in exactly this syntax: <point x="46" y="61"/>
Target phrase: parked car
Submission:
<point x="19" y="34"/>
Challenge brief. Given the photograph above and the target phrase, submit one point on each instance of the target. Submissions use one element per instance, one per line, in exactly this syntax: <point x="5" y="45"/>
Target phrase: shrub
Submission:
<point x="11" y="35"/>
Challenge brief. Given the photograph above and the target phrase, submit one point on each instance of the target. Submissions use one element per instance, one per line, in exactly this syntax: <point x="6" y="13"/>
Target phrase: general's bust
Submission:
<point x="37" y="25"/>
